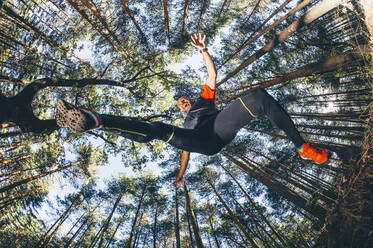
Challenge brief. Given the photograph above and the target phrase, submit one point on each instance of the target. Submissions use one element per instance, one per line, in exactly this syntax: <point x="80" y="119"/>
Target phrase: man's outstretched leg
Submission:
<point x="80" y="120"/>
<point x="258" y="102"/>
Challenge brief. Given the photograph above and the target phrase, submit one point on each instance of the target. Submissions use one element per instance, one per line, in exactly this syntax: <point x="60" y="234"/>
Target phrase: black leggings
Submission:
<point x="222" y="129"/>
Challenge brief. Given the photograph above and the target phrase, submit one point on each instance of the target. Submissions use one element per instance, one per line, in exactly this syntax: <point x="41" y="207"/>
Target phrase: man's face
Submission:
<point x="184" y="104"/>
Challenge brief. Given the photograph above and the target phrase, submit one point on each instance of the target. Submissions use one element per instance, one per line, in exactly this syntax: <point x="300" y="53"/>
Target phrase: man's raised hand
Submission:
<point x="179" y="181"/>
<point x="198" y="40"/>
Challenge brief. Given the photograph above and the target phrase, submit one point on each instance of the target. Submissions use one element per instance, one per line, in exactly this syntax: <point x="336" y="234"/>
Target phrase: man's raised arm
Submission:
<point x="199" y="42"/>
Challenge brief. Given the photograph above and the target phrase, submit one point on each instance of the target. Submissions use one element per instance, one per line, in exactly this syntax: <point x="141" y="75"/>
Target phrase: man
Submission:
<point x="206" y="130"/>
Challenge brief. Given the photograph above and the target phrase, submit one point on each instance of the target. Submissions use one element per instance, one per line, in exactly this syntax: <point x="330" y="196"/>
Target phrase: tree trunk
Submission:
<point x="89" y="19"/>
<point x="56" y="31"/>
<point x="258" y="225"/>
<point x="231" y="214"/>
<point x="45" y="241"/>
<point x="185" y="9"/>
<point x="82" y="237"/>
<point x="189" y="228"/>
<point x="155" y="227"/>
<point x="213" y="233"/>
<point x="136" y="216"/>
<point x="76" y="233"/>
<point x="29" y="26"/>
<point x="196" y="231"/>
<point x="120" y="222"/>
<point x="256" y="207"/>
<point x="222" y="8"/>
<point x="3" y="35"/>
<point x="95" y="239"/>
<point x="138" y="231"/>
<point x="103" y="22"/>
<point x="315" y="185"/>
<point x="300" y="202"/>
<point x="166" y="20"/>
<point x="129" y="12"/>
<point x="41" y="175"/>
<point x="319" y="67"/>
<point x="317" y="11"/>
<point x="106" y="224"/>
<point x="204" y="6"/>
<point x="62" y="11"/>
<point x="249" y="40"/>
<point x="177" y="228"/>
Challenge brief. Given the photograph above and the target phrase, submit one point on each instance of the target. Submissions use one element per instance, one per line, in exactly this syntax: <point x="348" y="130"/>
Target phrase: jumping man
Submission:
<point x="206" y="130"/>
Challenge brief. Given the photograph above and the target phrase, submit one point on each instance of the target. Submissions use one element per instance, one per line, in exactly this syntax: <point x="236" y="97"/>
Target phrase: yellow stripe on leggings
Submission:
<point x="251" y="113"/>
<point x="171" y="136"/>
<point x="126" y="131"/>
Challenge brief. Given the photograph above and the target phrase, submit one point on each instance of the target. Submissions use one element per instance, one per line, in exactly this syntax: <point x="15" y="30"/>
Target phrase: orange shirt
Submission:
<point x="208" y="94"/>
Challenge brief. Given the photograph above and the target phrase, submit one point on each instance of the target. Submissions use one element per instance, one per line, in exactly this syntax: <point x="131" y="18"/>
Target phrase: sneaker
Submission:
<point x="77" y="119"/>
<point x="319" y="156"/>
<point x="62" y="108"/>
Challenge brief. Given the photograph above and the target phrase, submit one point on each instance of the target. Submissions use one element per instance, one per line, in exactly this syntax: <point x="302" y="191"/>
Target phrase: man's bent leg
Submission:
<point x="256" y="103"/>
<point x="260" y="102"/>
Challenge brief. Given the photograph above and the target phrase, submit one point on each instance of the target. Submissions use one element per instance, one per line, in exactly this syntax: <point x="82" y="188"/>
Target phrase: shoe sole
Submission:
<point x="77" y="121"/>
<point x="61" y="113"/>
<point x="313" y="160"/>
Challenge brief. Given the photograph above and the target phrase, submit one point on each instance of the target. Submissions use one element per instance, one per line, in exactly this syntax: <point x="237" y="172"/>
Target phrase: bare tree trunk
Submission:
<point x="299" y="201"/>
<point x="45" y="241"/>
<point x="104" y="23"/>
<point x="41" y="175"/>
<point x="129" y="12"/>
<point x="136" y="216"/>
<point x="62" y="11"/>
<point x="204" y="6"/>
<point x="282" y="240"/>
<point x="322" y="66"/>
<point x="106" y="224"/>
<point x="20" y="19"/>
<point x="32" y="49"/>
<point x="155" y="226"/>
<point x="184" y="16"/>
<point x="58" y="32"/>
<point x="95" y="239"/>
<point x="166" y="20"/>
<point x="71" y="229"/>
<point x="213" y="233"/>
<point x="222" y="7"/>
<point x="317" y="11"/>
<point x="196" y="231"/>
<point x="76" y="233"/>
<point x="177" y="228"/>
<point x="120" y="222"/>
<point x="231" y="214"/>
<point x="82" y="237"/>
<point x="250" y="41"/>
<point x="89" y="19"/>
<point x="85" y="221"/>
<point x="189" y="228"/>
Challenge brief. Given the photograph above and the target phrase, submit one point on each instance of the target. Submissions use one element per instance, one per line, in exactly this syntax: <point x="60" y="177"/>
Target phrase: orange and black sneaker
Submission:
<point x="319" y="156"/>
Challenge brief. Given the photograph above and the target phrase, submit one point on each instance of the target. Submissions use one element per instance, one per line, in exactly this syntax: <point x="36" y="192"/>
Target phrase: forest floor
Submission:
<point x="349" y="223"/>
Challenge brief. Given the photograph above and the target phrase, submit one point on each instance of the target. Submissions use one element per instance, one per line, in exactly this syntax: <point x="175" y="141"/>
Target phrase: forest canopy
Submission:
<point x="134" y="58"/>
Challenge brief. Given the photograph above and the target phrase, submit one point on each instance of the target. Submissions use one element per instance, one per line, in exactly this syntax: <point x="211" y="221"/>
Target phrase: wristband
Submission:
<point x="203" y="50"/>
